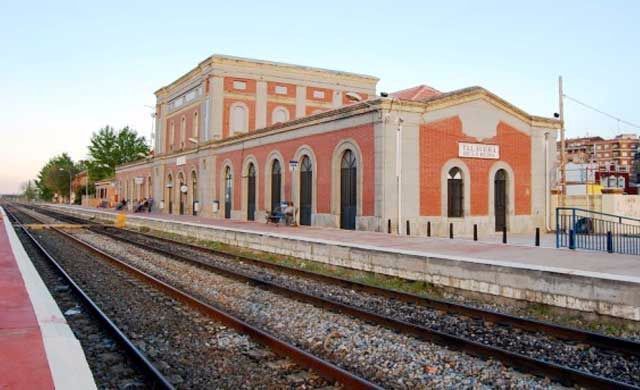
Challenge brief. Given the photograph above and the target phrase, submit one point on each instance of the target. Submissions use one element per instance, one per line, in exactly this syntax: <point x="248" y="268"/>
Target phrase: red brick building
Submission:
<point x="230" y="131"/>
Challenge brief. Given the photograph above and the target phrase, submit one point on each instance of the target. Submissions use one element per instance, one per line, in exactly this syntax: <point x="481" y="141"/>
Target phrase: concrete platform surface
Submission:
<point x="38" y="350"/>
<point x="592" y="281"/>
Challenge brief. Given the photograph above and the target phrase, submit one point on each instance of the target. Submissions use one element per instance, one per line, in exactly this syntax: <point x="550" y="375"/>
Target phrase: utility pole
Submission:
<point x="563" y="157"/>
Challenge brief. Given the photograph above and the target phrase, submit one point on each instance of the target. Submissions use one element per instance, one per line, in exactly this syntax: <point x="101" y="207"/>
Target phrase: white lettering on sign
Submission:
<point x="478" y="150"/>
<point x="139" y="180"/>
<point x="182" y="160"/>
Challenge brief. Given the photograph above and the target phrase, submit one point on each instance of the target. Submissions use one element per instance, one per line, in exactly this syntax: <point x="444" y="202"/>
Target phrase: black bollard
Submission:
<point x="408" y="229"/>
<point x="389" y="226"/>
<point x="572" y="240"/>
<point x="609" y="242"/>
<point x="475" y="232"/>
<point x="429" y="229"/>
<point x="537" y="236"/>
<point x="504" y="235"/>
<point x="451" y="231"/>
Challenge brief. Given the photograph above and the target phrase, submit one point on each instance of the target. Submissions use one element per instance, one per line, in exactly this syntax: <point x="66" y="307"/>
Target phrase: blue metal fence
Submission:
<point x="585" y="229"/>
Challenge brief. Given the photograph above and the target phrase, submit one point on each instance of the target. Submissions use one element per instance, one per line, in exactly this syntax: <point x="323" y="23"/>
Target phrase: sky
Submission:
<point x="69" y="68"/>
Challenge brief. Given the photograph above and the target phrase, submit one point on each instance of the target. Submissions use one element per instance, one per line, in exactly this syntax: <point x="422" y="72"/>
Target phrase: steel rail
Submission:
<point x="150" y="371"/>
<point x="326" y="369"/>
<point x="561" y="332"/>
<point x="555" y="371"/>
<point x="563" y="374"/>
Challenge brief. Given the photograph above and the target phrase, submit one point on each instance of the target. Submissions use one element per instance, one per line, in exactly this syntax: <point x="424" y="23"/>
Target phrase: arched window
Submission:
<point x="280" y="115"/>
<point x="239" y="119"/>
<point x="455" y="193"/>
<point x="183" y="131"/>
<point x="196" y="125"/>
<point x="613" y="181"/>
<point x="276" y="180"/>
<point x="621" y="182"/>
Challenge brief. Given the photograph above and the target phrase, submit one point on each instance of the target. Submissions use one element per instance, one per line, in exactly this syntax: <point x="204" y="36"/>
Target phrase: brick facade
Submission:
<point x="439" y="144"/>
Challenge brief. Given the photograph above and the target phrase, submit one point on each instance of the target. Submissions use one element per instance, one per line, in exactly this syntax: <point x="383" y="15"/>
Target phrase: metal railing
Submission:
<point x="585" y="229"/>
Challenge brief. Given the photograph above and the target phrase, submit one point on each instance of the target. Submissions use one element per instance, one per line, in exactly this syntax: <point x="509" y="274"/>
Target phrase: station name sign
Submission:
<point x="478" y="150"/>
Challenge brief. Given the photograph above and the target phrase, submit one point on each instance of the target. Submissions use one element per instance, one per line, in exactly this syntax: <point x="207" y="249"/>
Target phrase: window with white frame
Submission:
<point x="280" y="114"/>
<point x="318" y="94"/>
<point x="239" y="118"/>
<point x="238" y="84"/>
<point x="281" y="90"/>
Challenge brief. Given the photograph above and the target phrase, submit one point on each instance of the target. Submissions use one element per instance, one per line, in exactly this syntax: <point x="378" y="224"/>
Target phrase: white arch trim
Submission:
<point x="336" y="160"/>
<point x="444" y="187"/>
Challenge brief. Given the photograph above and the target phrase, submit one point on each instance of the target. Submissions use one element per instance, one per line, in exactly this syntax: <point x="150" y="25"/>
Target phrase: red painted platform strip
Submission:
<point x="23" y="360"/>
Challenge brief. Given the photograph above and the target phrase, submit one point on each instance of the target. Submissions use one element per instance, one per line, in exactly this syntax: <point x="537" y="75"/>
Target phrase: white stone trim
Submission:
<point x="341" y="147"/>
<point x="306" y="150"/>
<point x="245" y="185"/>
<point x="274" y="155"/>
<point x="511" y="198"/>
<point x="466" y="185"/>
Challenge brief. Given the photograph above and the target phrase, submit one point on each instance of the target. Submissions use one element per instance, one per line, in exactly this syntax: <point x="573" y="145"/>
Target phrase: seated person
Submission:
<point x="275" y="215"/>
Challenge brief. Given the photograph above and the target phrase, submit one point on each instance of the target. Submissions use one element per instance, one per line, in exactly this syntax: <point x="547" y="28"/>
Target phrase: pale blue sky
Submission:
<point x="68" y="68"/>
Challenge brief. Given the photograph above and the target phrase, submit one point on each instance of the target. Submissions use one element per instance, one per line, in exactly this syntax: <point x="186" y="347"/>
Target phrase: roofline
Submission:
<point x="222" y="58"/>
<point x="447" y="99"/>
<point x="434" y="103"/>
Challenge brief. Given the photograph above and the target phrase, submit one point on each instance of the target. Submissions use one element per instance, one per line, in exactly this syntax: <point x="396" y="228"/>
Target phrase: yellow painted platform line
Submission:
<point x="40" y="226"/>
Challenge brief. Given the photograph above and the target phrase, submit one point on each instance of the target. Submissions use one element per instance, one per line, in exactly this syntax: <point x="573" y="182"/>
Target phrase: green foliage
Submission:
<point x="110" y="148"/>
<point x="54" y="177"/>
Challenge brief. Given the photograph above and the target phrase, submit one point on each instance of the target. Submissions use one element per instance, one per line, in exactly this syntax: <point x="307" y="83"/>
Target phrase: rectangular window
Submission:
<point x="281" y="90"/>
<point x="318" y="94"/>
<point x="237" y="84"/>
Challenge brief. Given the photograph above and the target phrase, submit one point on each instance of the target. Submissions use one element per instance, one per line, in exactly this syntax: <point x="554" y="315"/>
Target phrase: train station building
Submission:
<point x="235" y="137"/>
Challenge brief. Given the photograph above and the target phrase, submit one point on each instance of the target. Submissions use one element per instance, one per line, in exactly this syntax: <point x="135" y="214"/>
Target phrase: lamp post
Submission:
<point x="70" y="181"/>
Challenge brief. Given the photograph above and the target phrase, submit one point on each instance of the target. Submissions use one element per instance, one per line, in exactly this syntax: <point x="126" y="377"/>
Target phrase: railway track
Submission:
<point x="610" y="346"/>
<point x="155" y="378"/>
<point x="324" y="368"/>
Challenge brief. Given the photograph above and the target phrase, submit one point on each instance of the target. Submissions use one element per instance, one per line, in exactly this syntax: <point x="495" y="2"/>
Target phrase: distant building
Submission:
<point x="635" y="170"/>
<point x="618" y="151"/>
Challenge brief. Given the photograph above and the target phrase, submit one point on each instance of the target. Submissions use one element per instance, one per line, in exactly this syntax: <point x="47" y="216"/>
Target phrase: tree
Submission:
<point x="109" y="149"/>
<point x="54" y="177"/>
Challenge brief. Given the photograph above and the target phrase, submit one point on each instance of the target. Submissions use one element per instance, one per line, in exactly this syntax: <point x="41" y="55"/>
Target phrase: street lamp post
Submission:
<point x="70" y="181"/>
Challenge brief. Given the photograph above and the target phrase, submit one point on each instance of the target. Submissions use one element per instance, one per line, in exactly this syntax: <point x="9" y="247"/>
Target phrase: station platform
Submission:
<point x="38" y="350"/>
<point x="597" y="282"/>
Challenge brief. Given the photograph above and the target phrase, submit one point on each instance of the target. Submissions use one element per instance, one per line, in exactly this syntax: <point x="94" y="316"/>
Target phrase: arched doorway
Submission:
<point x="348" y="190"/>
<point x="276" y="180"/>
<point x="227" y="192"/>
<point x="194" y="192"/>
<point x="170" y="193"/>
<point x="455" y="193"/>
<point x="306" y="192"/>
<point x="500" y="199"/>
<point x="181" y="193"/>
<point x="251" y="192"/>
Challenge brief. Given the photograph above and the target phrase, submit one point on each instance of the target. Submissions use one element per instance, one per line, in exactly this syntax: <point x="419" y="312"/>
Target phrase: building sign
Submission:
<point x="182" y="160"/>
<point x="139" y="180"/>
<point x="478" y="150"/>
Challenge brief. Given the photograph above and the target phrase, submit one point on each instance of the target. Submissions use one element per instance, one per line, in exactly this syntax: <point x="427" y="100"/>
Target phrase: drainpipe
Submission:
<point x="546" y="181"/>
<point x="399" y="171"/>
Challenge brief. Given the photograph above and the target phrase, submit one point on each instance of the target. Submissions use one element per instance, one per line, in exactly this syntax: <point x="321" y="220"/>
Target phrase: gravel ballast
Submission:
<point x="191" y="350"/>
<point x="378" y="354"/>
